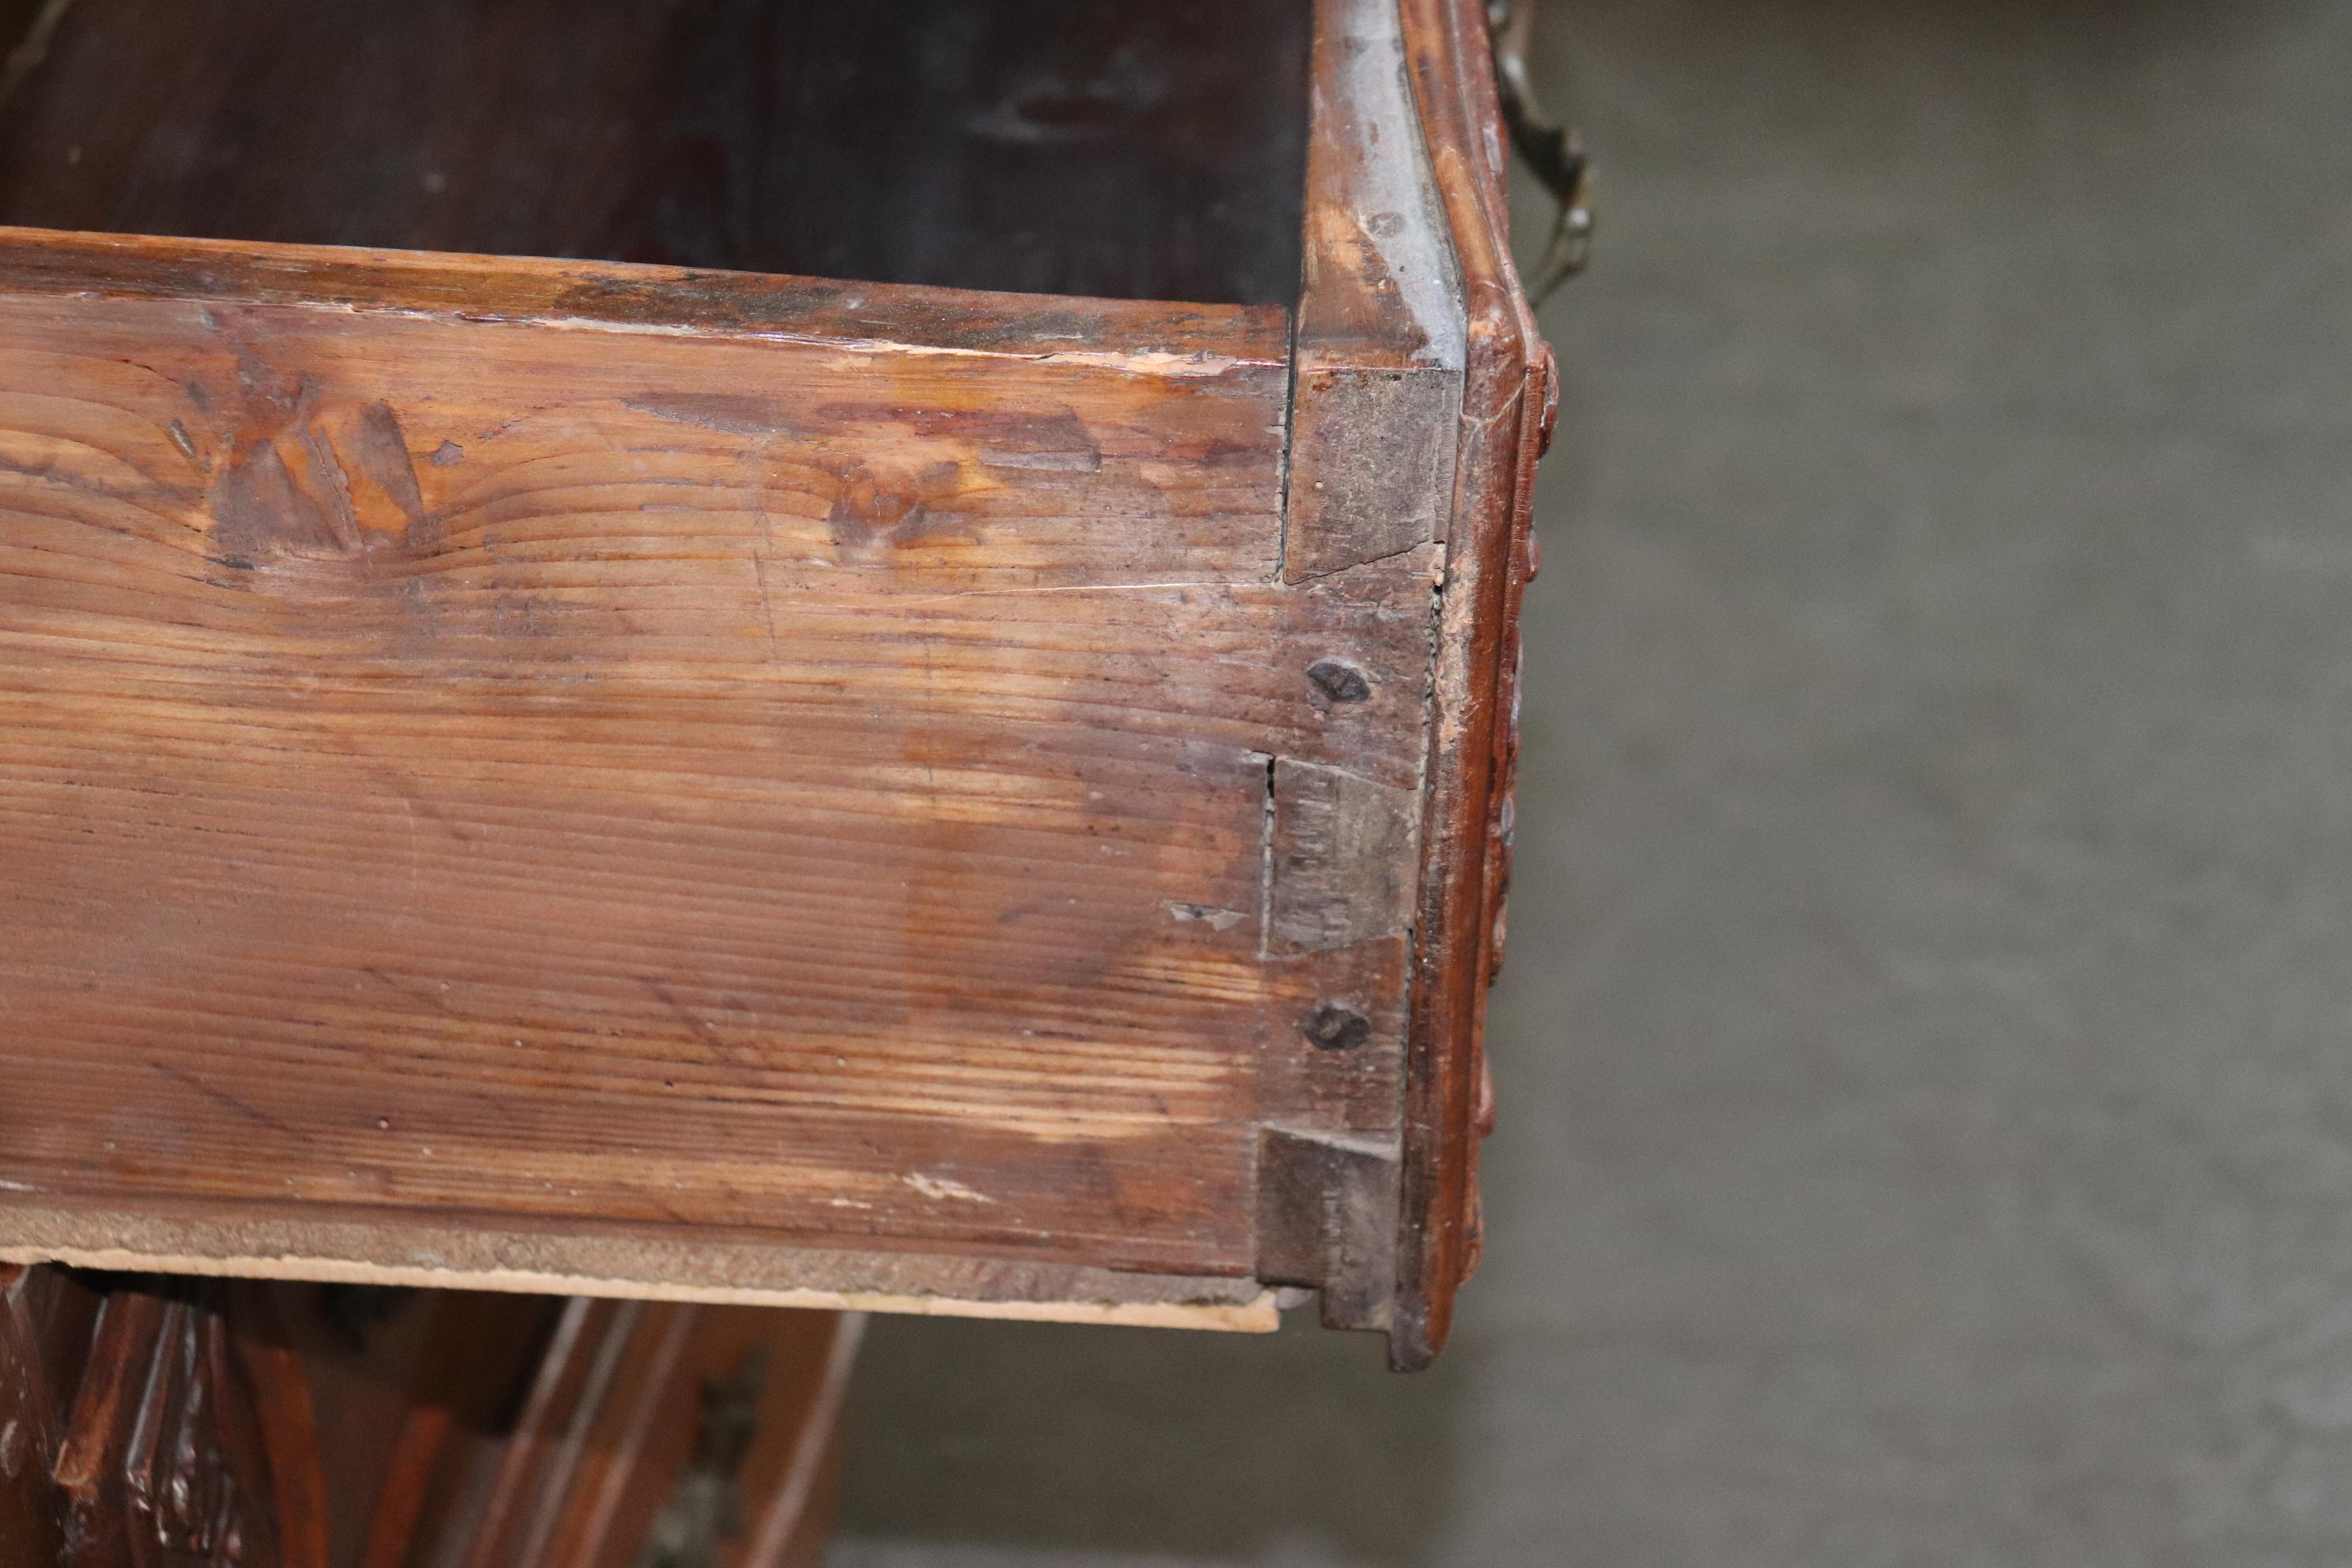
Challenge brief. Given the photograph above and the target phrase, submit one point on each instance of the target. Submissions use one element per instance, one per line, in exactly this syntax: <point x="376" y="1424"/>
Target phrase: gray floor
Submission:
<point x="1928" y="1053"/>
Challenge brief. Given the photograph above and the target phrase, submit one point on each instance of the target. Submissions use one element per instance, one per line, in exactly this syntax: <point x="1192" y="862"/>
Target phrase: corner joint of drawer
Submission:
<point x="1371" y="464"/>
<point x="1327" y="1219"/>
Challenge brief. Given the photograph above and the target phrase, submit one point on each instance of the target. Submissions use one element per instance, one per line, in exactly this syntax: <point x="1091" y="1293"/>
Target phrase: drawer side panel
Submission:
<point x="684" y="779"/>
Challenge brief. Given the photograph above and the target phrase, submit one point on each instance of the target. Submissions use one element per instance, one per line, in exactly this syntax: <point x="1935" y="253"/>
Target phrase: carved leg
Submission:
<point x="162" y="1423"/>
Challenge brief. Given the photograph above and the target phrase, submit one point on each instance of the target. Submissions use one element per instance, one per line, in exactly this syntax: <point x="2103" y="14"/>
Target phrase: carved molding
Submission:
<point x="163" y="1463"/>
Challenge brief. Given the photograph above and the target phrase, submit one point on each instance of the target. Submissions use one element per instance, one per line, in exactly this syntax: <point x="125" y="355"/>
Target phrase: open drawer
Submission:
<point x="581" y="709"/>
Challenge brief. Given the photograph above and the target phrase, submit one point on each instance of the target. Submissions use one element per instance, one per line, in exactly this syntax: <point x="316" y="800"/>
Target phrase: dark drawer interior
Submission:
<point x="1153" y="151"/>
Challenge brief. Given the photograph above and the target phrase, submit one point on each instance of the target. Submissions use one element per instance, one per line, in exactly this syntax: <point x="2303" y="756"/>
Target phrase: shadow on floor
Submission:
<point x="1154" y="1444"/>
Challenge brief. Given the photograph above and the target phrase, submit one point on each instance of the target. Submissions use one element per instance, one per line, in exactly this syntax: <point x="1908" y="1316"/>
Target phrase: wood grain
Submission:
<point x="649" y="771"/>
<point x="1376" y="401"/>
<point x="665" y="782"/>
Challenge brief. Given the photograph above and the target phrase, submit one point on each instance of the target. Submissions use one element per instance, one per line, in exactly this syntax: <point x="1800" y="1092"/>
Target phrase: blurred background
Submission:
<point x="1927" y="1047"/>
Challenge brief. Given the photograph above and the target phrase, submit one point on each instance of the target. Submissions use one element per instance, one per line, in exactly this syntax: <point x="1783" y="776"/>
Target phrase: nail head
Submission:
<point x="1336" y="1027"/>
<point x="1339" y="680"/>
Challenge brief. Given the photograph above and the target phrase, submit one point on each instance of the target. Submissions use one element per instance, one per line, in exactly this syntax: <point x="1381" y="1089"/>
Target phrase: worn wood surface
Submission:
<point x="1056" y="146"/>
<point x="665" y="782"/>
<point x="1380" y="336"/>
<point x="1449" y="1101"/>
<point x="637" y="770"/>
<point x="1376" y="396"/>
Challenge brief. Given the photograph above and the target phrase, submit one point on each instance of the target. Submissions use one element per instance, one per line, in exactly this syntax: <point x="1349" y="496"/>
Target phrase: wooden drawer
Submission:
<point x="667" y="775"/>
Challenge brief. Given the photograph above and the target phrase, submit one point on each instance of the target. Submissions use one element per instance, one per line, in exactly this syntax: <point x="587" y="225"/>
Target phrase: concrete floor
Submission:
<point x="1927" y="1049"/>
